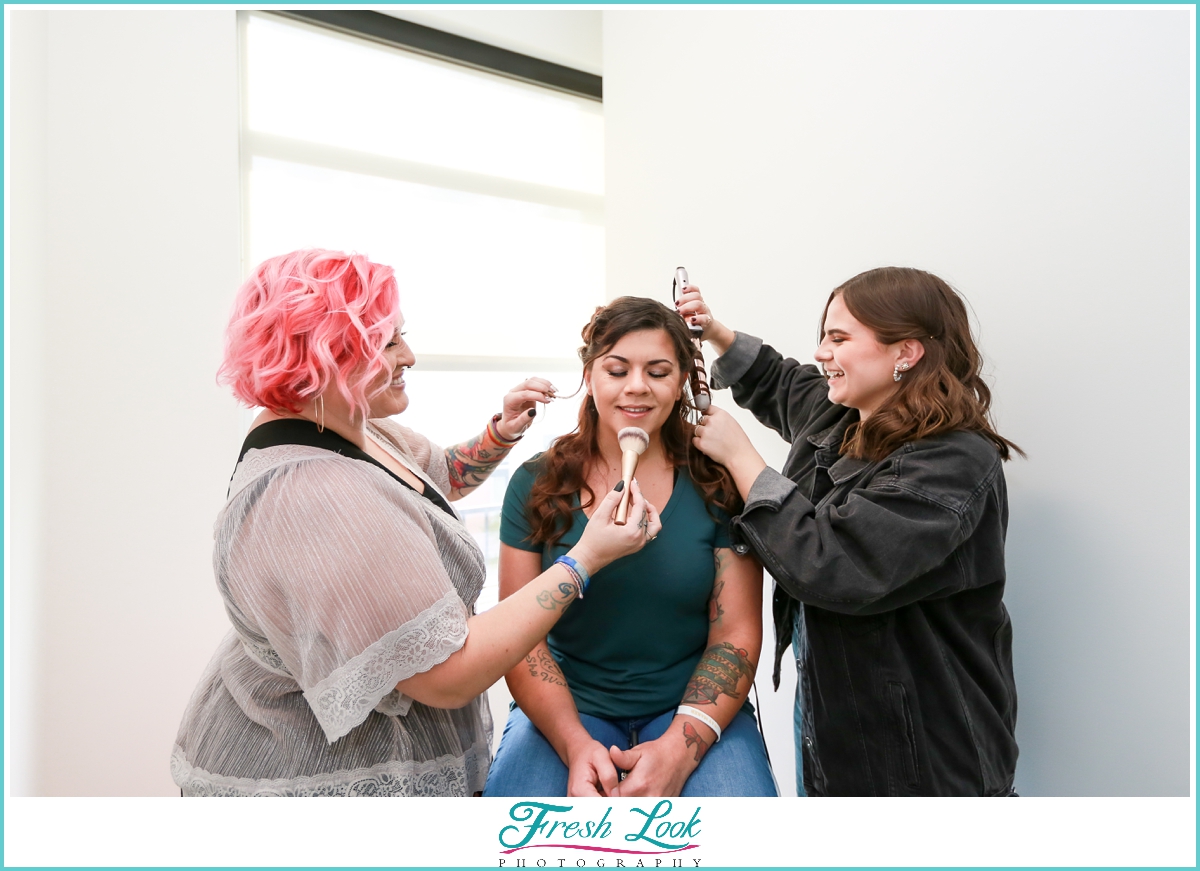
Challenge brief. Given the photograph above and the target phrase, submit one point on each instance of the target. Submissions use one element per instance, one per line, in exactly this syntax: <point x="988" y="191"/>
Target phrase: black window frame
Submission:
<point x="397" y="32"/>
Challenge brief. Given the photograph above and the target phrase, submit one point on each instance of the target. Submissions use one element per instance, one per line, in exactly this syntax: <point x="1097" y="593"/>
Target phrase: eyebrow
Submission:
<point x="836" y="330"/>
<point x="650" y="363"/>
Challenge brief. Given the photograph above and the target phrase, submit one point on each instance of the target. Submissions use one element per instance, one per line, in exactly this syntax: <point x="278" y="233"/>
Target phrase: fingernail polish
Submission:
<point x="533" y="412"/>
<point x="620" y="486"/>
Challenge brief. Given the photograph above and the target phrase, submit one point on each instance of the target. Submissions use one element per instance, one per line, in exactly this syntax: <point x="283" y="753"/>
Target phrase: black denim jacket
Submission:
<point x="907" y="683"/>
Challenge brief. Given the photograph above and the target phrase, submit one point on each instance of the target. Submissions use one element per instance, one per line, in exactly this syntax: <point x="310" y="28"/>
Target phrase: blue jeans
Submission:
<point x="526" y="764"/>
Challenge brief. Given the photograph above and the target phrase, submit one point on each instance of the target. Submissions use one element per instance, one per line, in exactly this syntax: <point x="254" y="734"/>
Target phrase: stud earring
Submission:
<point x="900" y="367"/>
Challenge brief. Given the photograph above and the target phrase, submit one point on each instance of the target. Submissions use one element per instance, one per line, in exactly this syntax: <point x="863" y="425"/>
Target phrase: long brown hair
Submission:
<point x="944" y="391"/>
<point x="564" y="466"/>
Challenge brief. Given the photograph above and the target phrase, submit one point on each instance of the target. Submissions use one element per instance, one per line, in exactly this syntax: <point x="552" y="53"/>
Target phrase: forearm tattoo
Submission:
<point x="471" y="462"/>
<point x="559" y="597"/>
<point x="693" y="739"/>
<point x="542" y="664"/>
<point x="718" y="673"/>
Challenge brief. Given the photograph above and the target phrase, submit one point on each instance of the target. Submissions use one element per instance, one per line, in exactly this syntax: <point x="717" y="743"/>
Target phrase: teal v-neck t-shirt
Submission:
<point x="629" y="647"/>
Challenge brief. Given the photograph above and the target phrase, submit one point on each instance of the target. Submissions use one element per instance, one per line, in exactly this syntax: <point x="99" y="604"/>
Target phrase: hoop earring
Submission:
<point x="900" y="367"/>
<point x="321" y="413"/>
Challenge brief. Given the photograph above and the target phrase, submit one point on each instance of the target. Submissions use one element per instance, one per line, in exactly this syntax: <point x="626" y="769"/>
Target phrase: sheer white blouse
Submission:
<point x="339" y="582"/>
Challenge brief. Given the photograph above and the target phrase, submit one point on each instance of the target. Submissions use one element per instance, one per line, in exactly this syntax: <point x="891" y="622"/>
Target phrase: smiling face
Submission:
<point x="858" y="368"/>
<point x="636" y="382"/>
<point x="392" y="399"/>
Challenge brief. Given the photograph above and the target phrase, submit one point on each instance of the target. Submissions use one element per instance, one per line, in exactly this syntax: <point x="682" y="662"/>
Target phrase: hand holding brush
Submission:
<point x="633" y="441"/>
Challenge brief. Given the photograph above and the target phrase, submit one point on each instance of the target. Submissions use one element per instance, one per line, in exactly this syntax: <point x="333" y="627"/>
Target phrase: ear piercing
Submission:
<point x="900" y="367"/>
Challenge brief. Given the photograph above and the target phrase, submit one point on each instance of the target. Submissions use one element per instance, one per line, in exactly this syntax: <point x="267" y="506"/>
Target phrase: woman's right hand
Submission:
<point x="694" y="310"/>
<point x="604" y="541"/>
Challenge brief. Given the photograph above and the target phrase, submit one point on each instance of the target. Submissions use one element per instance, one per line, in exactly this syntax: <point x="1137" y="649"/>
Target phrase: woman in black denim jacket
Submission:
<point x="884" y="534"/>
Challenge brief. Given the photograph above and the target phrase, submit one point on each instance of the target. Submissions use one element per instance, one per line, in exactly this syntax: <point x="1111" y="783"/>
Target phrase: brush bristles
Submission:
<point x="633" y="438"/>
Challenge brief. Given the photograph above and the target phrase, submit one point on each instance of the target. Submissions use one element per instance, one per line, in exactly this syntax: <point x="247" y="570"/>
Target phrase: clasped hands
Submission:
<point x="655" y="768"/>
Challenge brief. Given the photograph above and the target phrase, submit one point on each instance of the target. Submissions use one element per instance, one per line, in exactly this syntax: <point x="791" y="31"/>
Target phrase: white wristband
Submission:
<point x="702" y="717"/>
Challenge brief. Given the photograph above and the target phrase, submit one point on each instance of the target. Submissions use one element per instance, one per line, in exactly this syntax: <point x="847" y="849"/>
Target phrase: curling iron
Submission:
<point x="700" y="396"/>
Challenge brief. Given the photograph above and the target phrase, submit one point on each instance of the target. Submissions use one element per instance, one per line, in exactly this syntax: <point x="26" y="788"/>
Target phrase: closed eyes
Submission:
<point x="620" y="373"/>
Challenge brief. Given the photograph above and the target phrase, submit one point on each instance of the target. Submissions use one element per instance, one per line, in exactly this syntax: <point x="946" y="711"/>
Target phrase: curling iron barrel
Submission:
<point x="700" y="397"/>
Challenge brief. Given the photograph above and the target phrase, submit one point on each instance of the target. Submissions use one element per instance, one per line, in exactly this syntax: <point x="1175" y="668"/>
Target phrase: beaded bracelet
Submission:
<point x="577" y="572"/>
<point x="704" y="718"/>
<point x="494" y="433"/>
<point x="576" y="581"/>
<point x="577" y="567"/>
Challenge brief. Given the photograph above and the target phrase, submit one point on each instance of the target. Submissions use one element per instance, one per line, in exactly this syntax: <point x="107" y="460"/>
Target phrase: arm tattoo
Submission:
<point x="718" y="673"/>
<point x="715" y="611"/>
<point x="545" y="667"/>
<point x="692" y="737"/>
<point x="470" y="463"/>
<point x="560" y="597"/>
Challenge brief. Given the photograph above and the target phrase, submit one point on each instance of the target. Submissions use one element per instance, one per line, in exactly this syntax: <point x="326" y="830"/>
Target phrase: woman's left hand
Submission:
<point x="519" y="411"/>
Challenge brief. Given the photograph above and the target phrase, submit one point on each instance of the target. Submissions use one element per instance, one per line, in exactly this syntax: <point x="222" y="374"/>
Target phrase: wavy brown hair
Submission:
<point x="564" y="466"/>
<point x="944" y="391"/>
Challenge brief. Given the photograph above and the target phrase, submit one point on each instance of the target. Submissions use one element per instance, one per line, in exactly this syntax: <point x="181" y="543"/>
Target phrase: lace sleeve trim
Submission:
<point x="345" y="698"/>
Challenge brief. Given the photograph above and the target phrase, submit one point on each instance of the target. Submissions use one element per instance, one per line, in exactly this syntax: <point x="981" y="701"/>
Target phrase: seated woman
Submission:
<point x="355" y="663"/>
<point x="649" y="673"/>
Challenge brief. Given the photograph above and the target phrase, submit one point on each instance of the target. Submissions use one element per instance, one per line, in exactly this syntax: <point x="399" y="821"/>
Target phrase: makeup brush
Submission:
<point x="633" y="440"/>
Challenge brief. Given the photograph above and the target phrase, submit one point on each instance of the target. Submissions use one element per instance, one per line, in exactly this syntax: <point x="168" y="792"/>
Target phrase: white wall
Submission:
<point x="1038" y="159"/>
<point x="124" y="261"/>
<point x="24" y="461"/>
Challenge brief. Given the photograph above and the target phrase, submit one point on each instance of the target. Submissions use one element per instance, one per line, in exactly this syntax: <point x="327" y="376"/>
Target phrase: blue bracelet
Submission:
<point x="577" y="569"/>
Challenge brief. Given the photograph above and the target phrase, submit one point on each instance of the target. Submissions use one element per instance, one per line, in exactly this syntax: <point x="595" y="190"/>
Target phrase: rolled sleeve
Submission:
<point x="729" y="368"/>
<point x="769" y="491"/>
<point x="871" y="554"/>
<point x="770" y="488"/>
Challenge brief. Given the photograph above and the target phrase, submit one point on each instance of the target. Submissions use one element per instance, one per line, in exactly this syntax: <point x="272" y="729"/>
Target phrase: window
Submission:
<point x="484" y="193"/>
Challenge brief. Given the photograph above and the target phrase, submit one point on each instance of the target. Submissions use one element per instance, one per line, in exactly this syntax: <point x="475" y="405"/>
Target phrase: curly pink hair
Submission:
<point x="307" y="319"/>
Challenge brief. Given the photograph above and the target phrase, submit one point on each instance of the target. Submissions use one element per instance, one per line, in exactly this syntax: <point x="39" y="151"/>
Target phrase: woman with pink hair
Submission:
<point x="356" y="664"/>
